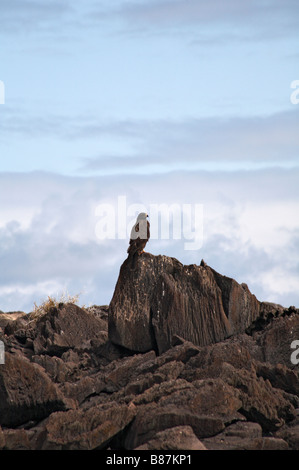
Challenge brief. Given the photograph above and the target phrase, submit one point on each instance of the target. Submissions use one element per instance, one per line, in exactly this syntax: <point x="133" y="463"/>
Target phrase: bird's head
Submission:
<point x="142" y="216"/>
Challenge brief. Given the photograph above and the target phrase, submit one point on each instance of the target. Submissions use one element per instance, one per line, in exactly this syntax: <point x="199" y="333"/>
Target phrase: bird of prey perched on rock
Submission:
<point x="140" y="234"/>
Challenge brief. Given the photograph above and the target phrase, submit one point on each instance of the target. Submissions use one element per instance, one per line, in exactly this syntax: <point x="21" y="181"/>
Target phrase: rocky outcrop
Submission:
<point x="26" y="392"/>
<point x="177" y="438"/>
<point x="161" y="298"/>
<point x="66" y="386"/>
<point x="66" y="328"/>
<point x="87" y="429"/>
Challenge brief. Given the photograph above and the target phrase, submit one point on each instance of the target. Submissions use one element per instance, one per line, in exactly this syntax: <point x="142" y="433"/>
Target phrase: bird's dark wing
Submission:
<point x="137" y="244"/>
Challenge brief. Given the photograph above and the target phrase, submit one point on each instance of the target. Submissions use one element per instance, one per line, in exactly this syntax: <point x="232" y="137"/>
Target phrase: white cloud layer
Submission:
<point x="49" y="243"/>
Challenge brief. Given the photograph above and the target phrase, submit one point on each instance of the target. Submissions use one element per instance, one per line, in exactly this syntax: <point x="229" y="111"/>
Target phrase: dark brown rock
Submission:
<point x="261" y="402"/>
<point x="164" y="390"/>
<point x="119" y="373"/>
<point x="167" y="372"/>
<point x="211" y="397"/>
<point x="244" y="436"/>
<point x="268" y="311"/>
<point x="216" y="374"/>
<point x="58" y="370"/>
<point x="214" y="397"/>
<point x="240" y="306"/>
<point x="9" y="321"/>
<point x="2" y="439"/>
<point x="88" y="429"/>
<point x="83" y="388"/>
<point x="67" y="327"/>
<point x="239" y="351"/>
<point x="177" y="438"/>
<point x="16" y="439"/>
<point x="276" y="338"/>
<point x="290" y="435"/>
<point x="26" y="392"/>
<point x="152" y="419"/>
<point x="279" y="376"/>
<point x="161" y="298"/>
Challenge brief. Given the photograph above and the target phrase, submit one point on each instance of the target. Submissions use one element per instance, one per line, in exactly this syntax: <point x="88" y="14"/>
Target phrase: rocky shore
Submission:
<point x="183" y="358"/>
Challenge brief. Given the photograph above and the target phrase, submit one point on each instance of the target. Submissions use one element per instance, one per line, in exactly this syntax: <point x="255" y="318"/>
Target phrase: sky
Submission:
<point x="113" y="107"/>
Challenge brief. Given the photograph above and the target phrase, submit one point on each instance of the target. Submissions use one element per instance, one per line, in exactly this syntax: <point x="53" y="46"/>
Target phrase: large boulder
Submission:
<point x="177" y="438"/>
<point x="277" y="337"/>
<point x="65" y="327"/>
<point x="89" y="429"/>
<point x="159" y="298"/>
<point x="26" y="392"/>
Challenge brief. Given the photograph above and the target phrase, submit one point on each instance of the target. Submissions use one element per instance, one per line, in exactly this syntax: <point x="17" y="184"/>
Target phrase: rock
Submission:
<point x="243" y="430"/>
<point x="240" y="306"/>
<point x="83" y="388"/>
<point x="2" y="439"/>
<point x="270" y="443"/>
<point x="214" y="397"/>
<point x="279" y="376"/>
<point x="163" y="390"/>
<point x="261" y="402"/>
<point x="26" y="392"/>
<point x="202" y="398"/>
<point x="167" y="372"/>
<point x="87" y="430"/>
<point x="177" y="438"/>
<point x="161" y="298"/>
<point x="239" y="351"/>
<point x="181" y="352"/>
<point x="268" y="311"/>
<point x="16" y="439"/>
<point x="231" y="361"/>
<point x="67" y="327"/>
<point x="190" y="360"/>
<point x="101" y="313"/>
<point x="58" y="370"/>
<point x="121" y="372"/>
<point x="244" y="436"/>
<point x="152" y="419"/>
<point x="290" y="435"/>
<point x="9" y="319"/>
<point x="276" y="338"/>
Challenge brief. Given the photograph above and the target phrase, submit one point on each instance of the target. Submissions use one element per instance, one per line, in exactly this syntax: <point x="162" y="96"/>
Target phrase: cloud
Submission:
<point x="202" y="142"/>
<point x="250" y="231"/>
<point x="252" y="19"/>
<point x="151" y="145"/>
<point x="31" y="15"/>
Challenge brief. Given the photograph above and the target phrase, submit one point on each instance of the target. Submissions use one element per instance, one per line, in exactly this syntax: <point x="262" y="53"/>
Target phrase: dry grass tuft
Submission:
<point x="46" y="306"/>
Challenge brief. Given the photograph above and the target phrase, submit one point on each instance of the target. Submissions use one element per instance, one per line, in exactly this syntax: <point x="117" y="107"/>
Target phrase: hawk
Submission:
<point x="140" y="235"/>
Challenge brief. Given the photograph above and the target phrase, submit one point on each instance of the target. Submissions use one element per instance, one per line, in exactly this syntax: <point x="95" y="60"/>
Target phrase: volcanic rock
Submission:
<point x="161" y="298"/>
<point x="26" y="392"/>
<point x="87" y="430"/>
<point x="192" y="361"/>
<point x="67" y="327"/>
<point x="244" y="436"/>
<point x="177" y="438"/>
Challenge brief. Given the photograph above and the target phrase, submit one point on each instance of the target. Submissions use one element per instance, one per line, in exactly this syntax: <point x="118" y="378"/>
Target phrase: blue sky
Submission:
<point x="163" y="101"/>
